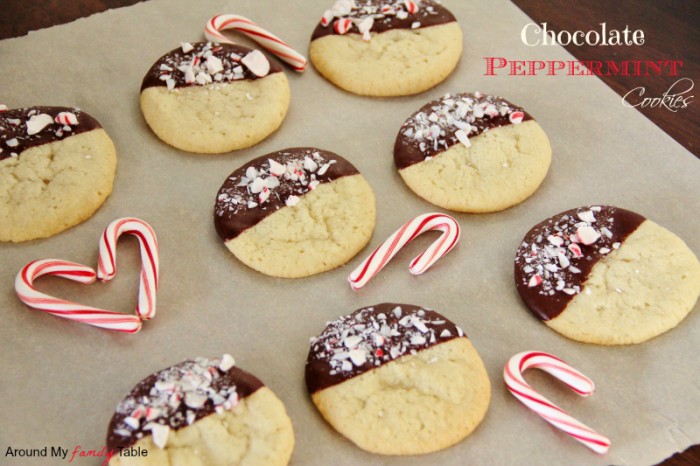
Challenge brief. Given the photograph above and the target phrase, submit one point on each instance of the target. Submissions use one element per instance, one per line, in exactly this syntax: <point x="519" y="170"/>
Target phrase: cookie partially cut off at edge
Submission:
<point x="396" y="62"/>
<point x="253" y="430"/>
<point x="472" y="152"/>
<point x="57" y="179"/>
<point x="417" y="392"/>
<point x="215" y="117"/>
<point x="299" y="229"/>
<point x="635" y="282"/>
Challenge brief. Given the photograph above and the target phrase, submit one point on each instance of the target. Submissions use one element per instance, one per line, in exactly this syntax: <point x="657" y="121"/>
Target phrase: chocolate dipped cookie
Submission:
<point x="472" y="153"/>
<point x="57" y="167"/>
<point x="212" y="98"/>
<point x="201" y="412"/>
<point x="386" y="48"/>
<point x="295" y="212"/>
<point x="397" y="379"/>
<point x="606" y="275"/>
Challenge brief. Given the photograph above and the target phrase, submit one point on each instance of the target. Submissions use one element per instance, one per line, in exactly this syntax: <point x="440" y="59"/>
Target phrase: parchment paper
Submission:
<point x="61" y="380"/>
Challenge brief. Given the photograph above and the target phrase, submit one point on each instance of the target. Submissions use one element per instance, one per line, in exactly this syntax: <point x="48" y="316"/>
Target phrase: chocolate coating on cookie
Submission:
<point x="553" y="262"/>
<point x="22" y="128"/>
<point x="370" y="337"/>
<point x="178" y="396"/>
<point x="434" y="128"/>
<point x="195" y="67"/>
<point x="268" y="183"/>
<point x="386" y="15"/>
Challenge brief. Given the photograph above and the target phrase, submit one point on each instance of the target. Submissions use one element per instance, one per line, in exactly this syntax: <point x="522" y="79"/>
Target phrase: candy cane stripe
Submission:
<point x="404" y="235"/>
<point x="148" y="279"/>
<point x="68" y="309"/>
<point x="272" y="43"/>
<point x="579" y="383"/>
<point x="107" y="268"/>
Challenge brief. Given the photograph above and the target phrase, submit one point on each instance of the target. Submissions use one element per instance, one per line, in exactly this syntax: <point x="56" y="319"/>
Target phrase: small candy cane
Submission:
<point x="404" y="235"/>
<point x="68" y="309"/>
<point x="512" y="374"/>
<point x="269" y="41"/>
<point x="107" y="263"/>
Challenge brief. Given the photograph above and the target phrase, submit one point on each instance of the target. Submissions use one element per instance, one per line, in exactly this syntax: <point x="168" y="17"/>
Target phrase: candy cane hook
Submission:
<point x="268" y="40"/>
<point x="579" y="383"/>
<point x="404" y="235"/>
<point x="107" y="263"/>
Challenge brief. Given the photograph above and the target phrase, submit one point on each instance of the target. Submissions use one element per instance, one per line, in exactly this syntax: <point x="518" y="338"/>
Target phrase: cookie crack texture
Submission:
<point x="324" y="230"/>
<point x="257" y="432"/>
<point x="639" y="291"/>
<point x="218" y="117"/>
<point x="415" y="404"/>
<point x="502" y="167"/>
<point x="51" y="187"/>
<point x="393" y="63"/>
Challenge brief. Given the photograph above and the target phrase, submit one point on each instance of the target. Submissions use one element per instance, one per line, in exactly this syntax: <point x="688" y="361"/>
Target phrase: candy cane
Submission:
<point x="68" y="309"/>
<point x="512" y="374"/>
<point x="404" y="235"/>
<point x="107" y="263"/>
<point x="269" y="41"/>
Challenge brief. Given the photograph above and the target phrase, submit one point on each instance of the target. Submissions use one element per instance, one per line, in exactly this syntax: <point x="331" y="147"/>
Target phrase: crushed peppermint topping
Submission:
<point x="363" y="16"/>
<point x="553" y="253"/>
<point x="205" y="63"/>
<point x="455" y="118"/>
<point x="373" y="336"/>
<point x="285" y="179"/>
<point x="175" y="398"/>
<point x="27" y="127"/>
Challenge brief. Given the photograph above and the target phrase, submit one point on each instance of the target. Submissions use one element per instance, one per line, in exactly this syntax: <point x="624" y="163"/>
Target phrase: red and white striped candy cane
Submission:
<point x="24" y="285"/>
<point x="269" y="41"/>
<point x="107" y="263"/>
<point x="579" y="383"/>
<point x="404" y="235"/>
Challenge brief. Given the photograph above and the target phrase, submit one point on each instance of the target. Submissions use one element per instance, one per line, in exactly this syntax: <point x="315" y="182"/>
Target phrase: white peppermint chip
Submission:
<point x="342" y="8"/>
<point x="227" y="362"/>
<point x="358" y="356"/>
<point x="159" y="432"/>
<point x="415" y="25"/>
<point x="402" y="14"/>
<point x="202" y="78"/>
<point x="313" y="184"/>
<point x="418" y="323"/>
<point x="170" y="83"/>
<point x="214" y="65"/>
<point x="587" y="235"/>
<point x="38" y="122"/>
<point x="276" y="168"/>
<point x="418" y="340"/>
<point x="257" y="185"/>
<point x="462" y="137"/>
<point x="189" y="75"/>
<point x="397" y="312"/>
<point x="352" y="341"/>
<point x="587" y="216"/>
<point x="555" y="240"/>
<point x="195" y="400"/>
<point x="264" y="195"/>
<point x="257" y="63"/>
<point x="324" y="168"/>
<point x="12" y="142"/>
<point x="292" y="201"/>
<point x="132" y="422"/>
<point x="251" y="173"/>
<point x="186" y="47"/>
<point x="309" y="164"/>
<point x="366" y="36"/>
<point x="366" y="24"/>
<point x="445" y="334"/>
<point x="563" y="260"/>
<point x="272" y="182"/>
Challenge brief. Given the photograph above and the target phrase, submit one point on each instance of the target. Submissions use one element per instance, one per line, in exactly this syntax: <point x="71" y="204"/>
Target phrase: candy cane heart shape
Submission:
<point x="579" y="383"/>
<point x="404" y="235"/>
<point x="268" y="40"/>
<point x="24" y="285"/>
<point x="107" y="263"/>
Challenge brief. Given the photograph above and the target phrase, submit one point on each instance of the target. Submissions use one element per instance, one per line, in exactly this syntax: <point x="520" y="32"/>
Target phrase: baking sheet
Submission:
<point x="61" y="380"/>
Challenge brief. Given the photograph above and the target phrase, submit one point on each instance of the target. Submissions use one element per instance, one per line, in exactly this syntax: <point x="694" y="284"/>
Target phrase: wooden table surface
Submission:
<point x="670" y="29"/>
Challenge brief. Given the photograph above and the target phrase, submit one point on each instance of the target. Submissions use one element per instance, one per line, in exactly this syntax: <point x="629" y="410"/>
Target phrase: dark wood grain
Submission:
<point x="671" y="33"/>
<point x="670" y="29"/>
